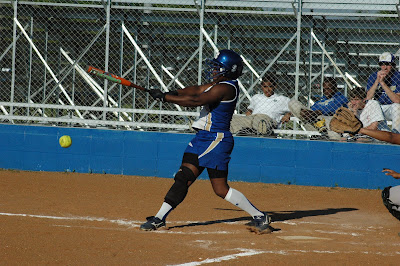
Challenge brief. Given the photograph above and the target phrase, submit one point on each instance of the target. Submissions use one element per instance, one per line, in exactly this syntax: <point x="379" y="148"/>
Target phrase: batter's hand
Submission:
<point x="157" y="95"/>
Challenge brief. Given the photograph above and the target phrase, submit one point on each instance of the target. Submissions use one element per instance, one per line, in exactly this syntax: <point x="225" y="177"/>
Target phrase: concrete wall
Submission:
<point x="299" y="162"/>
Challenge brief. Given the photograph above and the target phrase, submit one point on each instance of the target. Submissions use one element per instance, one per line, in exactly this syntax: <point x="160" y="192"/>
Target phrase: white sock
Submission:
<point x="164" y="211"/>
<point x="238" y="199"/>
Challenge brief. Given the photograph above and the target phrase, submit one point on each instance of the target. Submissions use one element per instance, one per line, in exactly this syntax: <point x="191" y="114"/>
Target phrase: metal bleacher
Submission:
<point x="354" y="33"/>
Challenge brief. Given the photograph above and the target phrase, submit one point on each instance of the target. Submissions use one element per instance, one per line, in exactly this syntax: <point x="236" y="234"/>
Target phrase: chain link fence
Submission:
<point x="289" y="49"/>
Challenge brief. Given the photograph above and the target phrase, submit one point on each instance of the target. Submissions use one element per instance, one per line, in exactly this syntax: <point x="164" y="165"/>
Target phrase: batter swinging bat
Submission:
<point x="113" y="78"/>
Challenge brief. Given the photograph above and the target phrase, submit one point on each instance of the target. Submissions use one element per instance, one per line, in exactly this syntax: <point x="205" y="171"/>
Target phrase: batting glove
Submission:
<point x="157" y="95"/>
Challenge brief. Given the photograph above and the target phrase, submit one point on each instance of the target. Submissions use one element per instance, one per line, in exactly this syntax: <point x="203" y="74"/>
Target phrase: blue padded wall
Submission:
<point x="300" y="162"/>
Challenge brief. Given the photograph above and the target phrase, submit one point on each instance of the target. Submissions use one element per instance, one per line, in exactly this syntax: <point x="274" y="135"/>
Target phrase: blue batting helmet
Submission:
<point x="228" y="64"/>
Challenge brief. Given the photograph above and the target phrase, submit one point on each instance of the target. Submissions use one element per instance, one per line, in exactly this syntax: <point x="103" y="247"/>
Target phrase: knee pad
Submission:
<point x="179" y="189"/>
<point x="215" y="173"/>
<point x="389" y="204"/>
<point x="191" y="158"/>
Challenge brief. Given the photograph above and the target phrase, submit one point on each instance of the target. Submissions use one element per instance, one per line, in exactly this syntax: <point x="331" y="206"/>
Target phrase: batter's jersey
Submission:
<point x="393" y="83"/>
<point x="217" y="118"/>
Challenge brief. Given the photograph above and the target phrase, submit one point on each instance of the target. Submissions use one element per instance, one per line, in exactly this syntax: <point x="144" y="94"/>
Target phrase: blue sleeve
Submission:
<point x="328" y="107"/>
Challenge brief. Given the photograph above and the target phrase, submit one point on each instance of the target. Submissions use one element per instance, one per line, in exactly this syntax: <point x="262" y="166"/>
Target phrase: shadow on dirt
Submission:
<point x="275" y="216"/>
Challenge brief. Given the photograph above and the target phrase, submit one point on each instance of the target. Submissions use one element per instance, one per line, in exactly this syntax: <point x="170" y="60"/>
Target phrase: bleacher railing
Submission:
<point x="45" y="47"/>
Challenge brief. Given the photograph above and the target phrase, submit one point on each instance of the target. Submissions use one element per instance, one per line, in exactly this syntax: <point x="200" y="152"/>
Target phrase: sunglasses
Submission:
<point x="385" y="64"/>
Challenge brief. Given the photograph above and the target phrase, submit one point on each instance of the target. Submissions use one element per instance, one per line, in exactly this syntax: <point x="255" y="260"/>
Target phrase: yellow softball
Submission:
<point x="65" y="141"/>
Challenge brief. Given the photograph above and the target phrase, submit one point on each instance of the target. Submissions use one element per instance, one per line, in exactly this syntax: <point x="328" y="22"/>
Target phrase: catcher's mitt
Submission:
<point x="345" y="121"/>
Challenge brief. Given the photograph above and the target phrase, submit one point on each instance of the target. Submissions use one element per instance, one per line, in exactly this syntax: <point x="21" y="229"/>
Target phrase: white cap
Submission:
<point x="386" y="57"/>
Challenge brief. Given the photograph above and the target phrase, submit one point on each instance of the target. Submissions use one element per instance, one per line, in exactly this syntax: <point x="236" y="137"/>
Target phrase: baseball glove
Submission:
<point x="345" y="121"/>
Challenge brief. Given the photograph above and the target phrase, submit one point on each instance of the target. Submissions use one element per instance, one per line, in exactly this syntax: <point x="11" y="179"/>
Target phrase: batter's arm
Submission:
<point x="197" y="89"/>
<point x="217" y="93"/>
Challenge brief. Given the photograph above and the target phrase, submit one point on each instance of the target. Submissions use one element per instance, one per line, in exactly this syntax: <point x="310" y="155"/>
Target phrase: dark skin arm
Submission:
<point x="193" y="96"/>
<point x="197" y="89"/>
<point x="391" y="172"/>
<point x="381" y="135"/>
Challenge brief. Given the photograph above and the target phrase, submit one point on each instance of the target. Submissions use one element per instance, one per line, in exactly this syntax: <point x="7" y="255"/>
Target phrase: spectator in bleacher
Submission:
<point x="267" y="111"/>
<point x="317" y="117"/>
<point x="369" y="112"/>
<point x="384" y="86"/>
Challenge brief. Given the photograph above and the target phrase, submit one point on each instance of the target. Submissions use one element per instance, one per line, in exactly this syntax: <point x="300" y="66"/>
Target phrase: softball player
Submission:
<point x="212" y="146"/>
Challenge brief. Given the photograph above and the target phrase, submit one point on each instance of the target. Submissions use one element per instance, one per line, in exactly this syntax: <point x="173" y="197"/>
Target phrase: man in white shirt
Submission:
<point x="265" y="112"/>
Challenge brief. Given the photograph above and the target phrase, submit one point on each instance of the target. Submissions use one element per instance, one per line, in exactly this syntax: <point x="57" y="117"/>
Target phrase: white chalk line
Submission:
<point x="123" y="222"/>
<point x="252" y="252"/>
<point x="243" y="253"/>
<point x="338" y="233"/>
<point x="76" y="218"/>
<point x="347" y="226"/>
<point x="303" y="238"/>
<point x="91" y="227"/>
<point x="135" y="224"/>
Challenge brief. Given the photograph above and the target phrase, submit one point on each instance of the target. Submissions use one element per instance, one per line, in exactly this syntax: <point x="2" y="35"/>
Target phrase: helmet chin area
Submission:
<point x="214" y="70"/>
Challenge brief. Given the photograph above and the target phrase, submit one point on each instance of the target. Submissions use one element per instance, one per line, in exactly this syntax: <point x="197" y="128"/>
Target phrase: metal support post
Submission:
<point x="105" y="92"/>
<point x="200" y="66"/>
<point x="15" y="5"/>
<point x="299" y="13"/>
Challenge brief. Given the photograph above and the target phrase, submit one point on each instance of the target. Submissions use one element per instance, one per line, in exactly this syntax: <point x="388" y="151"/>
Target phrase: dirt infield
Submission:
<point x="93" y="219"/>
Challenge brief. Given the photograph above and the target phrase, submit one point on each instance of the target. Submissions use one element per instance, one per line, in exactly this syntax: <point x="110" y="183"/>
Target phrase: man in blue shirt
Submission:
<point x="318" y="116"/>
<point x="330" y="101"/>
<point x="384" y="86"/>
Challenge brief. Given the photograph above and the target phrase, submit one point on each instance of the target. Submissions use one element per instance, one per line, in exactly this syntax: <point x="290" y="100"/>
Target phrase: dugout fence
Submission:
<point x="45" y="47"/>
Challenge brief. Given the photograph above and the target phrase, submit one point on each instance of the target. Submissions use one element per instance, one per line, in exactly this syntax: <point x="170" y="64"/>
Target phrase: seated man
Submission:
<point x="317" y="117"/>
<point x="265" y="112"/>
<point x="369" y="112"/>
<point x="384" y="86"/>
